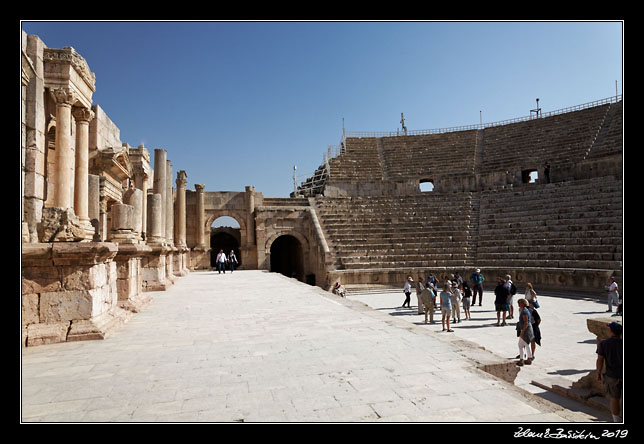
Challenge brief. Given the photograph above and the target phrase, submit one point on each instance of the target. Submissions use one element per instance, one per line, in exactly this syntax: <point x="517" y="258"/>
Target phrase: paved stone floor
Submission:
<point x="258" y="347"/>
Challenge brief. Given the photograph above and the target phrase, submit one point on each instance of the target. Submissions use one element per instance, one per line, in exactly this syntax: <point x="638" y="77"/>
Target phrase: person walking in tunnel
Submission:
<point x="221" y="261"/>
<point x="232" y="260"/>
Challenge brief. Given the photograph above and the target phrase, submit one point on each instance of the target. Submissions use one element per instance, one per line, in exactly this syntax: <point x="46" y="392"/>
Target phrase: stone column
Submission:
<point x="81" y="179"/>
<point x="180" y="210"/>
<point x="63" y="197"/>
<point x="155" y="217"/>
<point x="122" y="223"/>
<point x="160" y="183"/>
<point x="169" y="205"/>
<point x="134" y="197"/>
<point x="93" y="206"/>
<point x="140" y="183"/>
<point x="250" y="220"/>
<point x="201" y="244"/>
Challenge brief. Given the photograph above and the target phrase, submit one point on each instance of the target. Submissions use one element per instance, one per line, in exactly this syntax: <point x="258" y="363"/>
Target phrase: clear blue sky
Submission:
<point x="240" y="103"/>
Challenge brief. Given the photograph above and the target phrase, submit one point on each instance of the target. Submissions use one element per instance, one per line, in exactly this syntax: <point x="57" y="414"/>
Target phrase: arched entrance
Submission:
<point x="225" y="237"/>
<point x="287" y="257"/>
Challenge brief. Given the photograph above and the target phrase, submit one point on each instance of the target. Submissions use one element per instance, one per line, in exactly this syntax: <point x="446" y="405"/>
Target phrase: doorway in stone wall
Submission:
<point x="225" y="234"/>
<point x="287" y="257"/>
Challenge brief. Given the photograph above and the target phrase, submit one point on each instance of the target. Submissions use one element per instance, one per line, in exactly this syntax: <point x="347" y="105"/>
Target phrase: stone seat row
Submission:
<point x="552" y="212"/>
<point x="585" y="244"/>
<point x="502" y="262"/>
<point x="407" y="265"/>
<point x="552" y="224"/>
<point x="484" y="254"/>
<point x="565" y="198"/>
<point x="353" y="239"/>
<point x="423" y="220"/>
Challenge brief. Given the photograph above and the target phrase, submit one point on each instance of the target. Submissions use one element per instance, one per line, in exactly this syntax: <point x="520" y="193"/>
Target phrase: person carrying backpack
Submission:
<point x="512" y="289"/>
<point x="477" y="279"/>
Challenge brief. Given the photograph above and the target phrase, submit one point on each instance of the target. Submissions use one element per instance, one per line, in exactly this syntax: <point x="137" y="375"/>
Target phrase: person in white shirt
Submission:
<point x="508" y="285"/>
<point x="407" y="291"/>
<point x="221" y="261"/>
<point x="613" y="295"/>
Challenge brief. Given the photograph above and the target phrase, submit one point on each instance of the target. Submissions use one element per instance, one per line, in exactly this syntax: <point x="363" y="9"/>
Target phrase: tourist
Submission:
<point x="337" y="289"/>
<point x="502" y="294"/>
<point x="427" y="299"/>
<point x="531" y="295"/>
<point x="431" y="284"/>
<point x="458" y="278"/>
<point x="610" y="352"/>
<point x="536" y="321"/>
<point x="455" y="300"/>
<point x="467" y="295"/>
<point x="524" y="332"/>
<point x="407" y="291"/>
<point x="477" y="285"/>
<point x="419" y="292"/>
<point x="613" y="294"/>
<point x="221" y="261"/>
<point x="513" y="290"/>
<point x="232" y="260"/>
<point x="446" y="307"/>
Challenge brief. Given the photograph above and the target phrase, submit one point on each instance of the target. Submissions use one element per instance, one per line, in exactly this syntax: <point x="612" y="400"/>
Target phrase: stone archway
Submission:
<point x="226" y="239"/>
<point x="287" y="256"/>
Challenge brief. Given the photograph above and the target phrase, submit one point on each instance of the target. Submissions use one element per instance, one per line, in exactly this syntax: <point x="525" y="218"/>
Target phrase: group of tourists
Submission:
<point x="224" y="261"/>
<point x="448" y="295"/>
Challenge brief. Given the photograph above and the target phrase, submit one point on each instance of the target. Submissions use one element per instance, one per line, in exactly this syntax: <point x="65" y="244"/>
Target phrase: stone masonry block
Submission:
<point x="30" y="309"/>
<point x="62" y="306"/>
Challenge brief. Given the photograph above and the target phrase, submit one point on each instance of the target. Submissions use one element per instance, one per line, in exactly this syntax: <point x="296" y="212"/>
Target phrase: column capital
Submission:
<point x="82" y="114"/>
<point x="200" y="187"/>
<point x="64" y="96"/>
<point x="182" y="179"/>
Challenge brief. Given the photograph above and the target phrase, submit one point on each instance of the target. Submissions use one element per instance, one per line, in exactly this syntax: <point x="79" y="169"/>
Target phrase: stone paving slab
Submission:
<point x="258" y="347"/>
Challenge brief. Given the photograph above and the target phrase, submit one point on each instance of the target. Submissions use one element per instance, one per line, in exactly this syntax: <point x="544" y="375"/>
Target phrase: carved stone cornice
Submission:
<point x="68" y="55"/>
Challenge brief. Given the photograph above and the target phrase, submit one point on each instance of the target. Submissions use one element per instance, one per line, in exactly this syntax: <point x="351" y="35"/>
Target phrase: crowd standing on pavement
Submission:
<point x="456" y="292"/>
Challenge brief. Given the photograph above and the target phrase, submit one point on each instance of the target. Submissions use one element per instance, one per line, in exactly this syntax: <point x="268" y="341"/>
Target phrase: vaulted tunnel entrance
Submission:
<point x="226" y="238"/>
<point x="287" y="257"/>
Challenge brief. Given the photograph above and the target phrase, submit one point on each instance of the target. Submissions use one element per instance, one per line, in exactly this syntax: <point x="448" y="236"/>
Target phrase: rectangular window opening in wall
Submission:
<point x="426" y="186"/>
<point x="530" y="176"/>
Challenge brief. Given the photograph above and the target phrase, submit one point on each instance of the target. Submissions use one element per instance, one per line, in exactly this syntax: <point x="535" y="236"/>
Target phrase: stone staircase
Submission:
<point x="574" y="224"/>
<point x="360" y="163"/>
<point x="427" y="156"/>
<point x="420" y="231"/>
<point x="562" y="139"/>
<point x="608" y="141"/>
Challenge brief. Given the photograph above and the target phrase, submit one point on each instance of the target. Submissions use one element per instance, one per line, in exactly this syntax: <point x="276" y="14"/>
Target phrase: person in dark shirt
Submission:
<point x="609" y="352"/>
<point x="502" y="295"/>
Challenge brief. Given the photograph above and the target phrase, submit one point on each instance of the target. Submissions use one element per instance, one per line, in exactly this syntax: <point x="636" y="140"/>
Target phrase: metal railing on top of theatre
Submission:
<point x="399" y="133"/>
<point x="309" y="182"/>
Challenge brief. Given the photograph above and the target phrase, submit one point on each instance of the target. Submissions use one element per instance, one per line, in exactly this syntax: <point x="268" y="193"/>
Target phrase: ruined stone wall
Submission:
<point x="87" y="203"/>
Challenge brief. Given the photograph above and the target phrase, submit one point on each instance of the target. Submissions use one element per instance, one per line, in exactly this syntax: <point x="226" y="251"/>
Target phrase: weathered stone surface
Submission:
<point x="60" y="225"/>
<point x="62" y="306"/>
<point x="30" y="309"/>
<point x="40" y="334"/>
